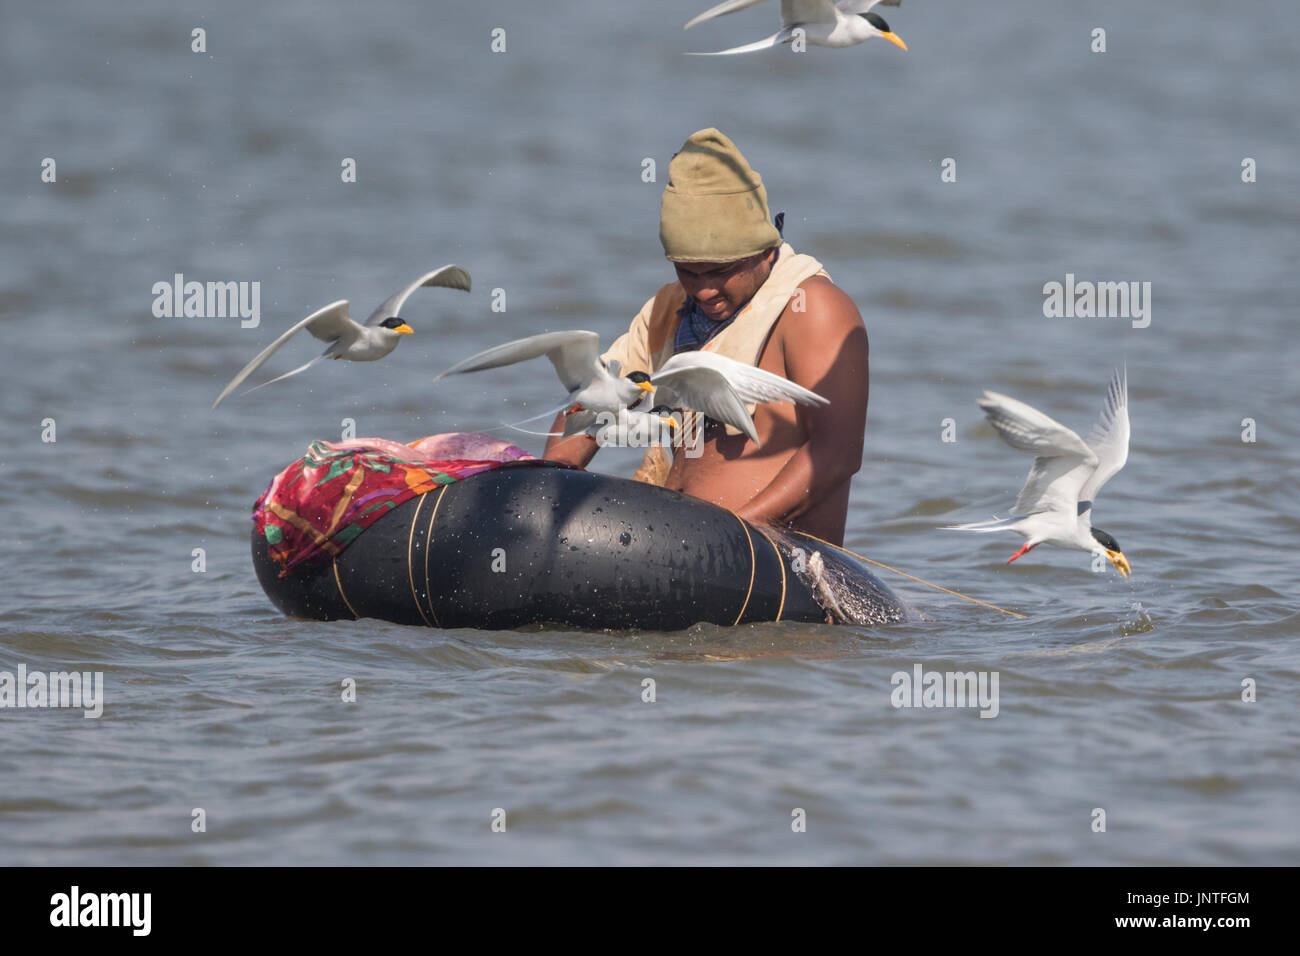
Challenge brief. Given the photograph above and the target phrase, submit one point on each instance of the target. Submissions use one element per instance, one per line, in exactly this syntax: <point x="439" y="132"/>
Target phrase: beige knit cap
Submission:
<point x="714" y="207"/>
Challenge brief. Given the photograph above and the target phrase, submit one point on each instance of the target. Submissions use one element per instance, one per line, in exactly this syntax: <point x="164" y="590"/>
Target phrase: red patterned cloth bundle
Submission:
<point x="318" y="505"/>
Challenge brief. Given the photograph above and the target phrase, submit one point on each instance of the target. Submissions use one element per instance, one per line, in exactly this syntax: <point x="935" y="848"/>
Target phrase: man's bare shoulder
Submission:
<point x="825" y="310"/>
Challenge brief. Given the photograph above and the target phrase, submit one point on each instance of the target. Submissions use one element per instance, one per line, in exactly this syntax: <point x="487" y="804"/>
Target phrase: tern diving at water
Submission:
<point x="347" y="338"/>
<point x="705" y="382"/>
<point x="1055" y="506"/>
<point x="823" y="23"/>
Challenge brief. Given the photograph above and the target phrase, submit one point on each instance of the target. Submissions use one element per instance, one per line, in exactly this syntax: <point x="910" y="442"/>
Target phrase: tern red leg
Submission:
<point x="1026" y="548"/>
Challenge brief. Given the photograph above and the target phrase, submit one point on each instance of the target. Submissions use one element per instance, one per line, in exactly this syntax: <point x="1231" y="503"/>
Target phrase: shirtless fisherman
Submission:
<point x="744" y="293"/>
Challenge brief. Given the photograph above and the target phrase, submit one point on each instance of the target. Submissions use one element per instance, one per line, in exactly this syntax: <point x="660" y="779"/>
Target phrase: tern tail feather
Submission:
<point x="763" y="44"/>
<point x="997" y="524"/>
<point x="281" y="378"/>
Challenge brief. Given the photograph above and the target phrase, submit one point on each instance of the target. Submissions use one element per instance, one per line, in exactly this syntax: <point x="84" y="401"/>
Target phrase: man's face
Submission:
<point x="721" y="288"/>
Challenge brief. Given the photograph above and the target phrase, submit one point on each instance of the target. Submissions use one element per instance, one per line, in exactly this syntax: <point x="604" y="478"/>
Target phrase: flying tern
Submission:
<point x="347" y="338"/>
<point x="688" y="379"/>
<point x="1055" y="506"/>
<point x="705" y="382"/>
<point x="846" y="23"/>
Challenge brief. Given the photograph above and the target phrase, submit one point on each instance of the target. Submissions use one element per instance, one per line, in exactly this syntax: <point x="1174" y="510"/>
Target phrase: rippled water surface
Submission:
<point x="525" y="167"/>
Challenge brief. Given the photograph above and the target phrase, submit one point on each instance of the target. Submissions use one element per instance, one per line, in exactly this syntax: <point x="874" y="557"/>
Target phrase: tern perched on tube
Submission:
<point x="347" y="338"/>
<point x="701" y="381"/>
<point x="846" y="23"/>
<point x="1055" y="506"/>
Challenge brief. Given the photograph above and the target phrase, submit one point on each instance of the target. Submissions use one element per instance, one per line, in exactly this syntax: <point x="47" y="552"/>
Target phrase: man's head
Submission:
<point x="720" y="288"/>
<point x="714" y="223"/>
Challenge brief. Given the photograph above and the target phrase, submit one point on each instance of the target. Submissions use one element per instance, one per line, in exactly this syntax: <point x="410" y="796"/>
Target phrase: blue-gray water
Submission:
<point x="525" y="167"/>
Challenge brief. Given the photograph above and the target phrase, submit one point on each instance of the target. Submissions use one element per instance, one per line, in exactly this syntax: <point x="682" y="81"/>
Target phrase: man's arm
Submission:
<point x="826" y="350"/>
<point x="575" y="450"/>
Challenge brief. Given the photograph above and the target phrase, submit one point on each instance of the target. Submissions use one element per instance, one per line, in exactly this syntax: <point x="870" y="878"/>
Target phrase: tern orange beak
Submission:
<point x="645" y="386"/>
<point x="895" y="39"/>
<point x="1121" y="563"/>
<point x="404" y="329"/>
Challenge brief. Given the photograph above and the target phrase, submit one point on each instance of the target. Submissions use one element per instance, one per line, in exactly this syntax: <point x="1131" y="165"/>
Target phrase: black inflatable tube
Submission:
<point x="525" y="545"/>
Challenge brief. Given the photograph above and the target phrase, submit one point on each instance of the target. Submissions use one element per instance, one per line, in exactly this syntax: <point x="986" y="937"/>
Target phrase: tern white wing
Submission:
<point x="807" y="11"/>
<point x="575" y="355"/>
<point x="451" y="277"/>
<point x="863" y="6"/>
<point x="704" y="390"/>
<point x="731" y="6"/>
<point x="1053" y="485"/>
<point x="329" y="324"/>
<point x="1109" y="438"/>
<point x="795" y="11"/>
<point x="753" y="385"/>
<point x="1063" y="464"/>
<point x="1026" y="428"/>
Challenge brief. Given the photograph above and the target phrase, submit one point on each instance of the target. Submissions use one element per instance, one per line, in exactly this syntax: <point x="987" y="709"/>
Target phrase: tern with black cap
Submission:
<point x="1055" y="506"/>
<point x="823" y="23"/>
<point x="347" y="338"/>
